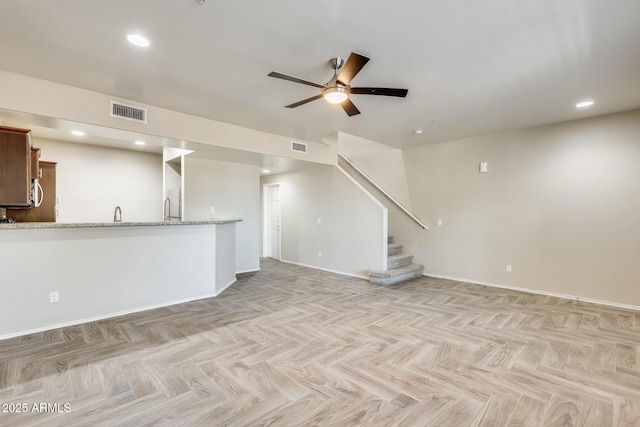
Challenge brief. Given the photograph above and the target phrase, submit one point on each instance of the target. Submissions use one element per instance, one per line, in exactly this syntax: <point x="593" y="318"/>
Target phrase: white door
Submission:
<point x="273" y="221"/>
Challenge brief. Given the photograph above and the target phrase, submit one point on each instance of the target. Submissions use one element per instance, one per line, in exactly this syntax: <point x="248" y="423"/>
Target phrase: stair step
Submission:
<point x="395" y="275"/>
<point x="400" y="260"/>
<point x="394" y="249"/>
<point x="390" y="238"/>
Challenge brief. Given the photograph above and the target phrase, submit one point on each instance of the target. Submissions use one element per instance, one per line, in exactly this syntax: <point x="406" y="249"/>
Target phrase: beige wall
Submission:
<point x="382" y="163"/>
<point x="103" y="272"/>
<point x="350" y="234"/>
<point x="92" y="180"/>
<point x="233" y="190"/>
<point x="559" y="203"/>
<point x="56" y="104"/>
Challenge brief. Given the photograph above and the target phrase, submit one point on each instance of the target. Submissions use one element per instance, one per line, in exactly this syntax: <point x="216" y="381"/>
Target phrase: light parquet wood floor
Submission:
<point x="291" y="346"/>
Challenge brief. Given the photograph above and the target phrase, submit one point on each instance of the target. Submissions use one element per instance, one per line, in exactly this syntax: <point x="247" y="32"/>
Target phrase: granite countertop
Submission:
<point x="29" y="225"/>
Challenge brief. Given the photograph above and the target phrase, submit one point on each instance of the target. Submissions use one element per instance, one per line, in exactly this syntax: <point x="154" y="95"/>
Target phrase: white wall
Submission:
<point x="233" y="190"/>
<point x="559" y="203"/>
<point x="352" y="234"/>
<point x="93" y="180"/>
<point x="225" y="256"/>
<point x="102" y="272"/>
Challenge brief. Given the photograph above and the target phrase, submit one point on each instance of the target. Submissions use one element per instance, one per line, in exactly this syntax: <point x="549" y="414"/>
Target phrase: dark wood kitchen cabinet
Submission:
<point x="47" y="212"/>
<point x="15" y="167"/>
<point x="35" y="163"/>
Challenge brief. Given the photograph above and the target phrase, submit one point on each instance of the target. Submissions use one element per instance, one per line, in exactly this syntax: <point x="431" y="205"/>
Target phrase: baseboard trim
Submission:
<point x="218" y="292"/>
<point x="540" y="292"/>
<point x="105" y="316"/>
<point x="248" y="271"/>
<point x="357" y="276"/>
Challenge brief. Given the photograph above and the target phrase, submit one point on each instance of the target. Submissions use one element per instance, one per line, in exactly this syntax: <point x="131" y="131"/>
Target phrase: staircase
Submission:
<point x="400" y="267"/>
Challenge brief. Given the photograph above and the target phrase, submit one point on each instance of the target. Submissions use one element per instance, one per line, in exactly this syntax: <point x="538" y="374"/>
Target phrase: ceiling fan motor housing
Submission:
<point x="336" y="63"/>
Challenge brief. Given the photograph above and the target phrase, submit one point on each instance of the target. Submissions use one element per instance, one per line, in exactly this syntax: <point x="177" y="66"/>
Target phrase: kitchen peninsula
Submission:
<point x="102" y="270"/>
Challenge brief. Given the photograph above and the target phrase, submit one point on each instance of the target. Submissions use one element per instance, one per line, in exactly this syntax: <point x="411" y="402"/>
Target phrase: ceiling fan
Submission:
<point x="337" y="90"/>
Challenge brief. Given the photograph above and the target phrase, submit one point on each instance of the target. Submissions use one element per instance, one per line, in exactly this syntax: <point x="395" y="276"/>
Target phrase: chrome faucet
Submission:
<point x="115" y="214"/>
<point x="167" y="209"/>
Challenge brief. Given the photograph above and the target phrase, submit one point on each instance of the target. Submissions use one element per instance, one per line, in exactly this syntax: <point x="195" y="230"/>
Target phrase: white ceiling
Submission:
<point x="471" y="67"/>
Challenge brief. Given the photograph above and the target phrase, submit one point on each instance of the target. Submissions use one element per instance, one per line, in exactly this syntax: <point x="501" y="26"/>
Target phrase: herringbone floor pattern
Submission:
<point x="290" y="346"/>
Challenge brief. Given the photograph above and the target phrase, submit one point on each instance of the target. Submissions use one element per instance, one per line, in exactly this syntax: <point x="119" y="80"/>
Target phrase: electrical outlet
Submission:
<point x="439" y="222"/>
<point x="54" y="297"/>
<point x="212" y="209"/>
<point x="508" y="268"/>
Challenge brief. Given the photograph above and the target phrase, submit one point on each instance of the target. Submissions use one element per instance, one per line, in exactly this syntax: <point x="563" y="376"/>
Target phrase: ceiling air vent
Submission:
<point x="128" y="112"/>
<point x="299" y="147"/>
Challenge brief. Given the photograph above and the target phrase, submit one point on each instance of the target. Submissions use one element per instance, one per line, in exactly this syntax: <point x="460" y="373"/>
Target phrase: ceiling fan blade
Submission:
<point x="304" y="101"/>
<point x="294" y="79"/>
<point x="349" y="108"/>
<point x="379" y="91"/>
<point x="354" y="64"/>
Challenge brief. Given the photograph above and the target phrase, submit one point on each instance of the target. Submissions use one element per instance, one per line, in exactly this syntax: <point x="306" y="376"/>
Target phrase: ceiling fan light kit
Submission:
<point x="336" y="95"/>
<point x="338" y="90"/>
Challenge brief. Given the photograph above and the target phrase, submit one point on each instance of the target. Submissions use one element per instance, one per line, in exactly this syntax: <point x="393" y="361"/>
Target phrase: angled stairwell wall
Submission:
<point x="384" y="165"/>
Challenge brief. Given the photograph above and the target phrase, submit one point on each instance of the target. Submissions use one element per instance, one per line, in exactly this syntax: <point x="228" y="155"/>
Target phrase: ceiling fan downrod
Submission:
<point x="334" y="92"/>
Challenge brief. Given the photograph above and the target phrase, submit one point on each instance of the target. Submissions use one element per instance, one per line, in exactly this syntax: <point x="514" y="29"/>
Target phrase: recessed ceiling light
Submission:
<point x="77" y="132"/>
<point x="138" y="40"/>
<point x="584" y="104"/>
<point x="265" y="171"/>
<point x="140" y="143"/>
